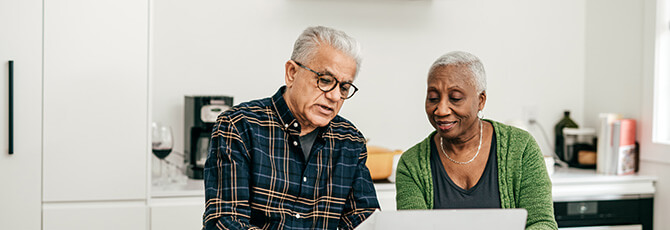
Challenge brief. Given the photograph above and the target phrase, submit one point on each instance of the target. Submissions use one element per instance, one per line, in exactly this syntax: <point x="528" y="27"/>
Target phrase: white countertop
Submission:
<point x="196" y="188"/>
<point x="568" y="184"/>
<point x="581" y="184"/>
<point x="190" y="188"/>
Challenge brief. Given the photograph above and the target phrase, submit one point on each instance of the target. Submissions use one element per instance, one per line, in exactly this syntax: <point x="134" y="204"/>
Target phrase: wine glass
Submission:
<point x="161" y="146"/>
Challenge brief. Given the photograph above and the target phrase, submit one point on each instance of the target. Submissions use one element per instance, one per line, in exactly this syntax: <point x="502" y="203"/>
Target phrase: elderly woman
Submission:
<point x="470" y="162"/>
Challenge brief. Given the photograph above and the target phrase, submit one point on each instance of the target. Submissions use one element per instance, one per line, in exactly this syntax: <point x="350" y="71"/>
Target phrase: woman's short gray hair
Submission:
<point x="467" y="59"/>
<point x="310" y="39"/>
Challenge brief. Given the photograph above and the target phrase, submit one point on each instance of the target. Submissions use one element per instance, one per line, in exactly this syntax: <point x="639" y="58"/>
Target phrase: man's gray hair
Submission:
<point x="468" y="60"/>
<point x="310" y="39"/>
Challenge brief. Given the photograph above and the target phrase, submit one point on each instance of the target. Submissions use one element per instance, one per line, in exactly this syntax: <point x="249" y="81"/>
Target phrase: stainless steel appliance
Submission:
<point x="615" y="212"/>
<point x="200" y="113"/>
<point x="579" y="148"/>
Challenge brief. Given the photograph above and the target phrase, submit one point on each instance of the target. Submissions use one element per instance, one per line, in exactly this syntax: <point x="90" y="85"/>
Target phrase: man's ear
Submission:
<point x="482" y="100"/>
<point x="289" y="73"/>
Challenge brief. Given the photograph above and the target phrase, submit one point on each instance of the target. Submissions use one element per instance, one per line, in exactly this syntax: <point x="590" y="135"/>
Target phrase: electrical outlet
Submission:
<point x="529" y="113"/>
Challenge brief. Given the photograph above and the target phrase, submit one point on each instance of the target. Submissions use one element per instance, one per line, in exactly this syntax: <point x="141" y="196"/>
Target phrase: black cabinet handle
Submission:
<point x="11" y="107"/>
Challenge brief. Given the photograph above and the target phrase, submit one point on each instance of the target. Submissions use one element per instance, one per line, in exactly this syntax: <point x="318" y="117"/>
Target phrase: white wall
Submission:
<point x="662" y="199"/>
<point x="655" y="156"/>
<point x="533" y="52"/>
<point x="586" y="56"/>
<point x="619" y="78"/>
<point x="613" y="59"/>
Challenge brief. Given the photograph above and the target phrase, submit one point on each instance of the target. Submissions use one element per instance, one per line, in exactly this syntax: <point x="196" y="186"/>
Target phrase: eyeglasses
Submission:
<point x="326" y="83"/>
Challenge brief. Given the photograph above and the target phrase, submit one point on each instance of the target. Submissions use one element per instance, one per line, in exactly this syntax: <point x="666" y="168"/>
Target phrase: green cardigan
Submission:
<point x="522" y="177"/>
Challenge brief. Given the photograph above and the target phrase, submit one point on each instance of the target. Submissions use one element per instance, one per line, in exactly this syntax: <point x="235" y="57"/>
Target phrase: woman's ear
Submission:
<point x="482" y="100"/>
<point x="289" y="73"/>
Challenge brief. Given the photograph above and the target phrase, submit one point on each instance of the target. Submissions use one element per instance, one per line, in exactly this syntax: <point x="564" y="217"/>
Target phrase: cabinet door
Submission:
<point x="99" y="216"/>
<point x="386" y="197"/>
<point x="95" y="100"/>
<point x="20" y="172"/>
<point x="177" y="213"/>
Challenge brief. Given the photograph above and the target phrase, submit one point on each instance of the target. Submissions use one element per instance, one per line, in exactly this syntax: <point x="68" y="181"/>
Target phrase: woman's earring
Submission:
<point x="480" y="114"/>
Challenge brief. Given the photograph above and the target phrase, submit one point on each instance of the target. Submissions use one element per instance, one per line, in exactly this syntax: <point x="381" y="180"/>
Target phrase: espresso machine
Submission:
<point x="200" y="113"/>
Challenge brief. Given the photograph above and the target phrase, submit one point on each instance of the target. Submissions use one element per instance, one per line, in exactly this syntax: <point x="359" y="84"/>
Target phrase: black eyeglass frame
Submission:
<point x="334" y="78"/>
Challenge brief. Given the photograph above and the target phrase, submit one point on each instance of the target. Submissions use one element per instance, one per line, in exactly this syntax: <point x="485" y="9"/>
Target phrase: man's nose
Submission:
<point x="334" y="95"/>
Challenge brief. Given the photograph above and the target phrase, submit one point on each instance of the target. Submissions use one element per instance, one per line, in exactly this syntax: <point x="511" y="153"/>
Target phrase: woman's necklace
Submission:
<point x="481" y="128"/>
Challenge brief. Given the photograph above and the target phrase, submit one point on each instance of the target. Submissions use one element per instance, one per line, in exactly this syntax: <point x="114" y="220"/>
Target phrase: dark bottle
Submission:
<point x="565" y="122"/>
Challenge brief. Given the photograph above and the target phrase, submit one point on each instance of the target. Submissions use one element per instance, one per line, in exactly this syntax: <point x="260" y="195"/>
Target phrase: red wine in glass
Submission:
<point x="161" y="146"/>
<point x="161" y="153"/>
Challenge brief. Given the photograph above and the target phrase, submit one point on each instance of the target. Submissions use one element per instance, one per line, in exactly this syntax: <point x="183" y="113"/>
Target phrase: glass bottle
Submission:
<point x="565" y="122"/>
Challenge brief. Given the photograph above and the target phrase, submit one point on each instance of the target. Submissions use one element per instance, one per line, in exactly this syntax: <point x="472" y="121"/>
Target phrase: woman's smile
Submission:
<point x="445" y="125"/>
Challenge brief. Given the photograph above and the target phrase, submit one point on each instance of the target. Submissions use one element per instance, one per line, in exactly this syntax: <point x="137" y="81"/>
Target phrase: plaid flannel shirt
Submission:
<point x="257" y="177"/>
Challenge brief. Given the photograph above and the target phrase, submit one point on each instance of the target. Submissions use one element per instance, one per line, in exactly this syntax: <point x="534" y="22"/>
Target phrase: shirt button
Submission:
<point x="304" y="179"/>
<point x="295" y="124"/>
<point x="286" y="126"/>
<point x="297" y="215"/>
<point x="295" y="143"/>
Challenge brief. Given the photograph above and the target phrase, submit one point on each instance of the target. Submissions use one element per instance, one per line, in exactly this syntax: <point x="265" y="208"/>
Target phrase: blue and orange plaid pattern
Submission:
<point x="256" y="176"/>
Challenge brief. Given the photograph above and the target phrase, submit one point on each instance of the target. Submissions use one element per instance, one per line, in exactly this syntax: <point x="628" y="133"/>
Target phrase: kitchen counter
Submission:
<point x="578" y="184"/>
<point x="190" y="188"/>
<point x="196" y="188"/>
<point x="180" y="206"/>
<point x="568" y="184"/>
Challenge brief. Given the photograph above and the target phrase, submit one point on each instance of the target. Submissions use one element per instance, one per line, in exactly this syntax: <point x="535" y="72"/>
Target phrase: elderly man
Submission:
<point x="289" y="161"/>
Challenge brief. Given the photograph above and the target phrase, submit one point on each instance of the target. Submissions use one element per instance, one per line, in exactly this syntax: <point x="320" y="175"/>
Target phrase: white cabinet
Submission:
<point x="182" y="207"/>
<point x="20" y="172"/>
<point x="177" y="213"/>
<point x="99" y="216"/>
<point x="80" y="114"/>
<point x="95" y="152"/>
<point x="386" y="196"/>
<point x="95" y="100"/>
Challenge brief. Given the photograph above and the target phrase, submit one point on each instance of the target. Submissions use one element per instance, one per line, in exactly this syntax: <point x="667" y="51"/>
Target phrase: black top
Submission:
<point x="447" y="195"/>
<point x="307" y="141"/>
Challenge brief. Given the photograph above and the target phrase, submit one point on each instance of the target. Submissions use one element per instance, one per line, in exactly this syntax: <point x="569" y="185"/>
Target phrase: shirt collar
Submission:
<point x="287" y="120"/>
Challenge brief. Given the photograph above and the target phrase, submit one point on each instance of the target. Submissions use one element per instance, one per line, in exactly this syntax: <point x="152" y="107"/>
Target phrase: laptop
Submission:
<point x="475" y="219"/>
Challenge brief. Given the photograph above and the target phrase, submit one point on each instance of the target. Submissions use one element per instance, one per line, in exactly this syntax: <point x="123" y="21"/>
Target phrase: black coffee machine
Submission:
<point x="200" y="113"/>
